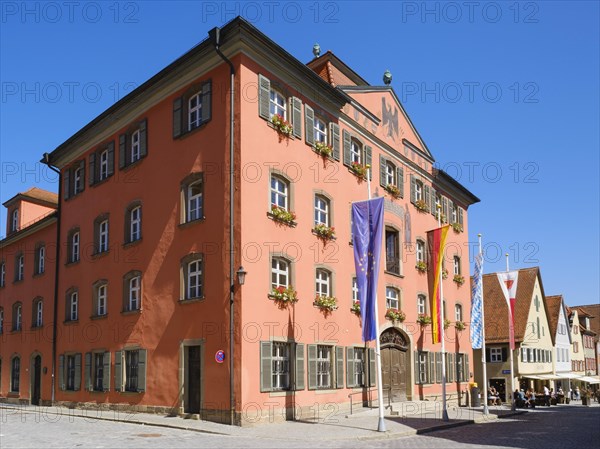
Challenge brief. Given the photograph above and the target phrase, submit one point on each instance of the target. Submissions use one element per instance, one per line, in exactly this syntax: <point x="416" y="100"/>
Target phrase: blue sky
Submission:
<point x="506" y="96"/>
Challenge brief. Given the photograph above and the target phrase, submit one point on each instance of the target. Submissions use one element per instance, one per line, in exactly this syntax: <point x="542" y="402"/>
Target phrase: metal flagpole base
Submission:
<point x="445" y="415"/>
<point x="381" y="425"/>
<point x="486" y="411"/>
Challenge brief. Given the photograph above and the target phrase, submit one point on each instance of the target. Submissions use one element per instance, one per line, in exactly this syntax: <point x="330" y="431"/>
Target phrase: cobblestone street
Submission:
<point x="557" y="427"/>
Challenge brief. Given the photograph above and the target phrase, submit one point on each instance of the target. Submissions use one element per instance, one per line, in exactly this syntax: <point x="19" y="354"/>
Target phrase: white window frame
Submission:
<point x="77" y="180"/>
<point x="135" y="145"/>
<point x="134" y="293"/>
<point x="324" y="367"/>
<point x="21" y="267"/>
<point x="321" y="210"/>
<point x="280" y="267"/>
<point x="41" y="259"/>
<point x="195" y="109"/>
<point x="458" y="312"/>
<point x="390" y="173"/>
<point x="354" y="290"/>
<point x="195" y="201"/>
<point x="420" y="253"/>
<point x="418" y="190"/>
<point x="280" y="192"/>
<point x="39" y="313"/>
<point x="320" y="130"/>
<point x="392" y="298"/>
<point x="277" y="104"/>
<point x="15" y="220"/>
<point x="454" y="213"/>
<point x="75" y="247"/>
<point x="456" y="265"/>
<point x="74" y="306"/>
<point x="280" y="362"/>
<point x="359" y="366"/>
<point x="355" y="151"/>
<point x="19" y="317"/>
<point x="103" y="173"/>
<point x="135" y="224"/>
<point x="322" y="282"/>
<point x="2" y="274"/>
<point x="103" y="236"/>
<point x="495" y="355"/>
<point x="194" y="279"/>
<point x="423" y="366"/>
<point x="101" y="297"/>
<point x="421" y="304"/>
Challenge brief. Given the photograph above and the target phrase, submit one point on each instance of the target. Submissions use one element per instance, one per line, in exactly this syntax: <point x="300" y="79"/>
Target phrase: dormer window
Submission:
<point x="14" y="221"/>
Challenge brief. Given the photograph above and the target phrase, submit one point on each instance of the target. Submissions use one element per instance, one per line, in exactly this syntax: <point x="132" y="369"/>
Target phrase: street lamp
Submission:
<point x="241" y="275"/>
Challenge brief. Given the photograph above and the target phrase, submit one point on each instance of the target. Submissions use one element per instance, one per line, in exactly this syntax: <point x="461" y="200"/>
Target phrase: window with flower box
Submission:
<point x="421" y="256"/>
<point x="355" y="152"/>
<point x="279" y="192"/>
<point x="458" y="315"/>
<point x="392" y="298"/>
<point x="280" y="272"/>
<point x="272" y="102"/>
<point x="323" y="282"/>
<point x="321" y="135"/>
<point x="391" y="177"/>
<point x="421" y="304"/>
<point x="322" y="206"/>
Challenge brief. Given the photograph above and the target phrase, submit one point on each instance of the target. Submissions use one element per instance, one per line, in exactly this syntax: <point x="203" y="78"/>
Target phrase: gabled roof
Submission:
<point x="553" y="305"/>
<point x="336" y="72"/>
<point x="496" y="309"/>
<point x="593" y="312"/>
<point x="35" y="195"/>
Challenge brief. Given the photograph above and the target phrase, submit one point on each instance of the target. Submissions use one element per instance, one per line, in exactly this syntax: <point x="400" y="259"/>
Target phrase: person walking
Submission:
<point x="546" y="395"/>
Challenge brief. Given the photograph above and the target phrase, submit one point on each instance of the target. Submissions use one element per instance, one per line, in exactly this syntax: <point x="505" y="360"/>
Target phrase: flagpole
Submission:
<point x="442" y="330"/>
<point x="513" y="405"/>
<point x="483" y="361"/>
<point x="381" y="423"/>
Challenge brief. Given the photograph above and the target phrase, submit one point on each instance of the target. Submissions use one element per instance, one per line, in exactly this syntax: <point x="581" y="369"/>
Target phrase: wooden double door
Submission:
<point x="394" y="366"/>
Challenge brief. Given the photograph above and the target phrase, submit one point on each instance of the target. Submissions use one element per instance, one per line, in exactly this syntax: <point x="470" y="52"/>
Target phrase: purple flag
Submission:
<point x="367" y="228"/>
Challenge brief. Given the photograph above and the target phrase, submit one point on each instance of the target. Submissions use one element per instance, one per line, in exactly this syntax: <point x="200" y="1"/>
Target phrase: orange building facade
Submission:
<point x="147" y="277"/>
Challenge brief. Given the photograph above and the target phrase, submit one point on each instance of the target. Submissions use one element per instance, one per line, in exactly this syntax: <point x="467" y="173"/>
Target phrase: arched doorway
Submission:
<point x="36" y="380"/>
<point x="394" y="365"/>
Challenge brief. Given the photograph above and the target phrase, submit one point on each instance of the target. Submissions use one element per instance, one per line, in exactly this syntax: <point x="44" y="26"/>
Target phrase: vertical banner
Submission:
<point x="367" y="230"/>
<point x="508" y="283"/>
<point x="436" y="240"/>
<point x="476" y="304"/>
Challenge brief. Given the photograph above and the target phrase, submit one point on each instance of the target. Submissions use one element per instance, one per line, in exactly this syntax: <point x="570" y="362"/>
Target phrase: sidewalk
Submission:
<point x="413" y="418"/>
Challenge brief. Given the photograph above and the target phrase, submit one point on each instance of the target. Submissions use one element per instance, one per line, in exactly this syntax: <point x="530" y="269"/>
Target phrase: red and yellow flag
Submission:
<point x="436" y="242"/>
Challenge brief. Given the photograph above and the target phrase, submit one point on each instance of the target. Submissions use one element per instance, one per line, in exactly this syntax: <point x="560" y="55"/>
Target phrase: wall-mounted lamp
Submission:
<point x="241" y="275"/>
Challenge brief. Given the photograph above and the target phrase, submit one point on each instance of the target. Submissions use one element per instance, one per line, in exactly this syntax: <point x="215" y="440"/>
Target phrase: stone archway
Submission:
<point x="395" y="365"/>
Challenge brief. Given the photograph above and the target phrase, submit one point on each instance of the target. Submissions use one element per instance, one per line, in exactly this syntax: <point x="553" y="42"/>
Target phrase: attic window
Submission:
<point x="14" y="223"/>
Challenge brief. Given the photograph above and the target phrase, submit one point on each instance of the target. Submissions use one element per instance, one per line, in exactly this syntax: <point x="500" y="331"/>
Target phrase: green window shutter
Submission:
<point x="297" y="117"/>
<point x="82" y="182"/>
<point x="299" y="367"/>
<point x="427" y="194"/>
<point x="417" y="378"/>
<point x="61" y="372"/>
<point x="432" y="207"/>
<point x="123" y="150"/>
<point x="347" y="142"/>
<point x="382" y="171"/>
<point x="467" y="368"/>
<point x="460" y="216"/>
<point x="450" y="209"/>
<point x="87" y="372"/>
<point x="452" y="370"/>
<point x="413" y="189"/>
<point x="309" y="125"/>
<point x="92" y="168"/>
<point x="66" y="178"/>
<point x="111" y="158"/>
<point x="77" y="386"/>
<point x="177" y="117"/>
<point x="339" y="366"/>
<point x="334" y="136"/>
<point x="368" y="160"/>
<point x="119" y="371"/>
<point x="400" y="180"/>
<point x="266" y="366"/>
<point x="144" y="137"/>
<point x="206" y="101"/>
<point x="106" y="372"/>
<point x="445" y="209"/>
<point x="142" y="366"/>
<point x="431" y="370"/>
<point x="538" y="328"/>
<point x="264" y="93"/>
<point x="312" y="367"/>
<point x="372" y="368"/>
<point x="438" y="367"/>
<point x="350" y="368"/>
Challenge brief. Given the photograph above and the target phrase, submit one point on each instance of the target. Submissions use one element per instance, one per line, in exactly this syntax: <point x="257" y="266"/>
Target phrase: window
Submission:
<point x="323" y="282"/>
<point x="277" y="104"/>
<point x="421" y="369"/>
<point x="2" y="274"/>
<point x="279" y="192"/>
<point x="1" y="320"/>
<point x="390" y="174"/>
<point x="354" y="290"/>
<point x="98" y="371"/>
<point x="320" y="130"/>
<point x="495" y="355"/>
<point x="575" y="346"/>
<point x="458" y="316"/>
<point x="392" y="251"/>
<point x="19" y="267"/>
<point x="421" y="304"/>
<point x="321" y="210"/>
<point x="462" y="367"/>
<point x="71" y="372"/>
<point x="77" y="180"/>
<point x="281" y="366"/>
<point x="192" y="195"/>
<point x="133" y="144"/>
<point x="192" y="109"/>
<point x="131" y="370"/>
<point x="280" y="272"/>
<point x="133" y="293"/>
<point x="37" y="319"/>
<point x="454" y="213"/>
<point x="15" y="374"/>
<point x="392" y="298"/>
<point x="133" y="222"/>
<point x="355" y="151"/>
<point x="418" y="190"/>
<point x="359" y="367"/>
<point x="193" y="277"/>
<point x="72" y="305"/>
<point x="14" y="222"/>
<point x="74" y="179"/>
<point x="100" y="298"/>
<point x="324" y="367"/>
<point x="73" y="249"/>
<point x="40" y="262"/>
<point x="17" y="317"/>
<point x="456" y="266"/>
<point x="420" y="251"/>
<point x="102" y="163"/>
<point x="102" y="236"/>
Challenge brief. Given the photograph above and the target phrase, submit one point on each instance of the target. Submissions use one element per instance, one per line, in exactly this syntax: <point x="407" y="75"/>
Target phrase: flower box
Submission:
<point x="282" y="215"/>
<point x="284" y="294"/>
<point x="421" y="206"/>
<point x="460" y="325"/>
<point x="457" y="227"/>
<point x="444" y="274"/>
<point x="359" y="170"/>
<point x="424" y="320"/>
<point x="326" y="302"/>
<point x="355" y="307"/>
<point x="460" y="280"/>
<point x="325" y="232"/>
<point x="282" y="125"/>
<point x="393" y="190"/>
<point x="446" y="323"/>
<point x="395" y="315"/>
<point x="323" y="149"/>
<point x="421" y="266"/>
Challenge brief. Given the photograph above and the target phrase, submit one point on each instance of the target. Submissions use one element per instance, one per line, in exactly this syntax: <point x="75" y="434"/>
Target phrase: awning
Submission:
<point x="590" y="380"/>
<point x="549" y="376"/>
<point x="532" y="376"/>
<point x="567" y="376"/>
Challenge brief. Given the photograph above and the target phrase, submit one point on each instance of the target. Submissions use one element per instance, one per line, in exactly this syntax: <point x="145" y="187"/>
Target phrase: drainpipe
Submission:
<point x="215" y="37"/>
<point x="46" y="160"/>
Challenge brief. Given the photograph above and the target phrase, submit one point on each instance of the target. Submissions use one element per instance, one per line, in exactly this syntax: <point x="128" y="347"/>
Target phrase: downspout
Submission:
<point x="215" y="37"/>
<point x="46" y="160"/>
